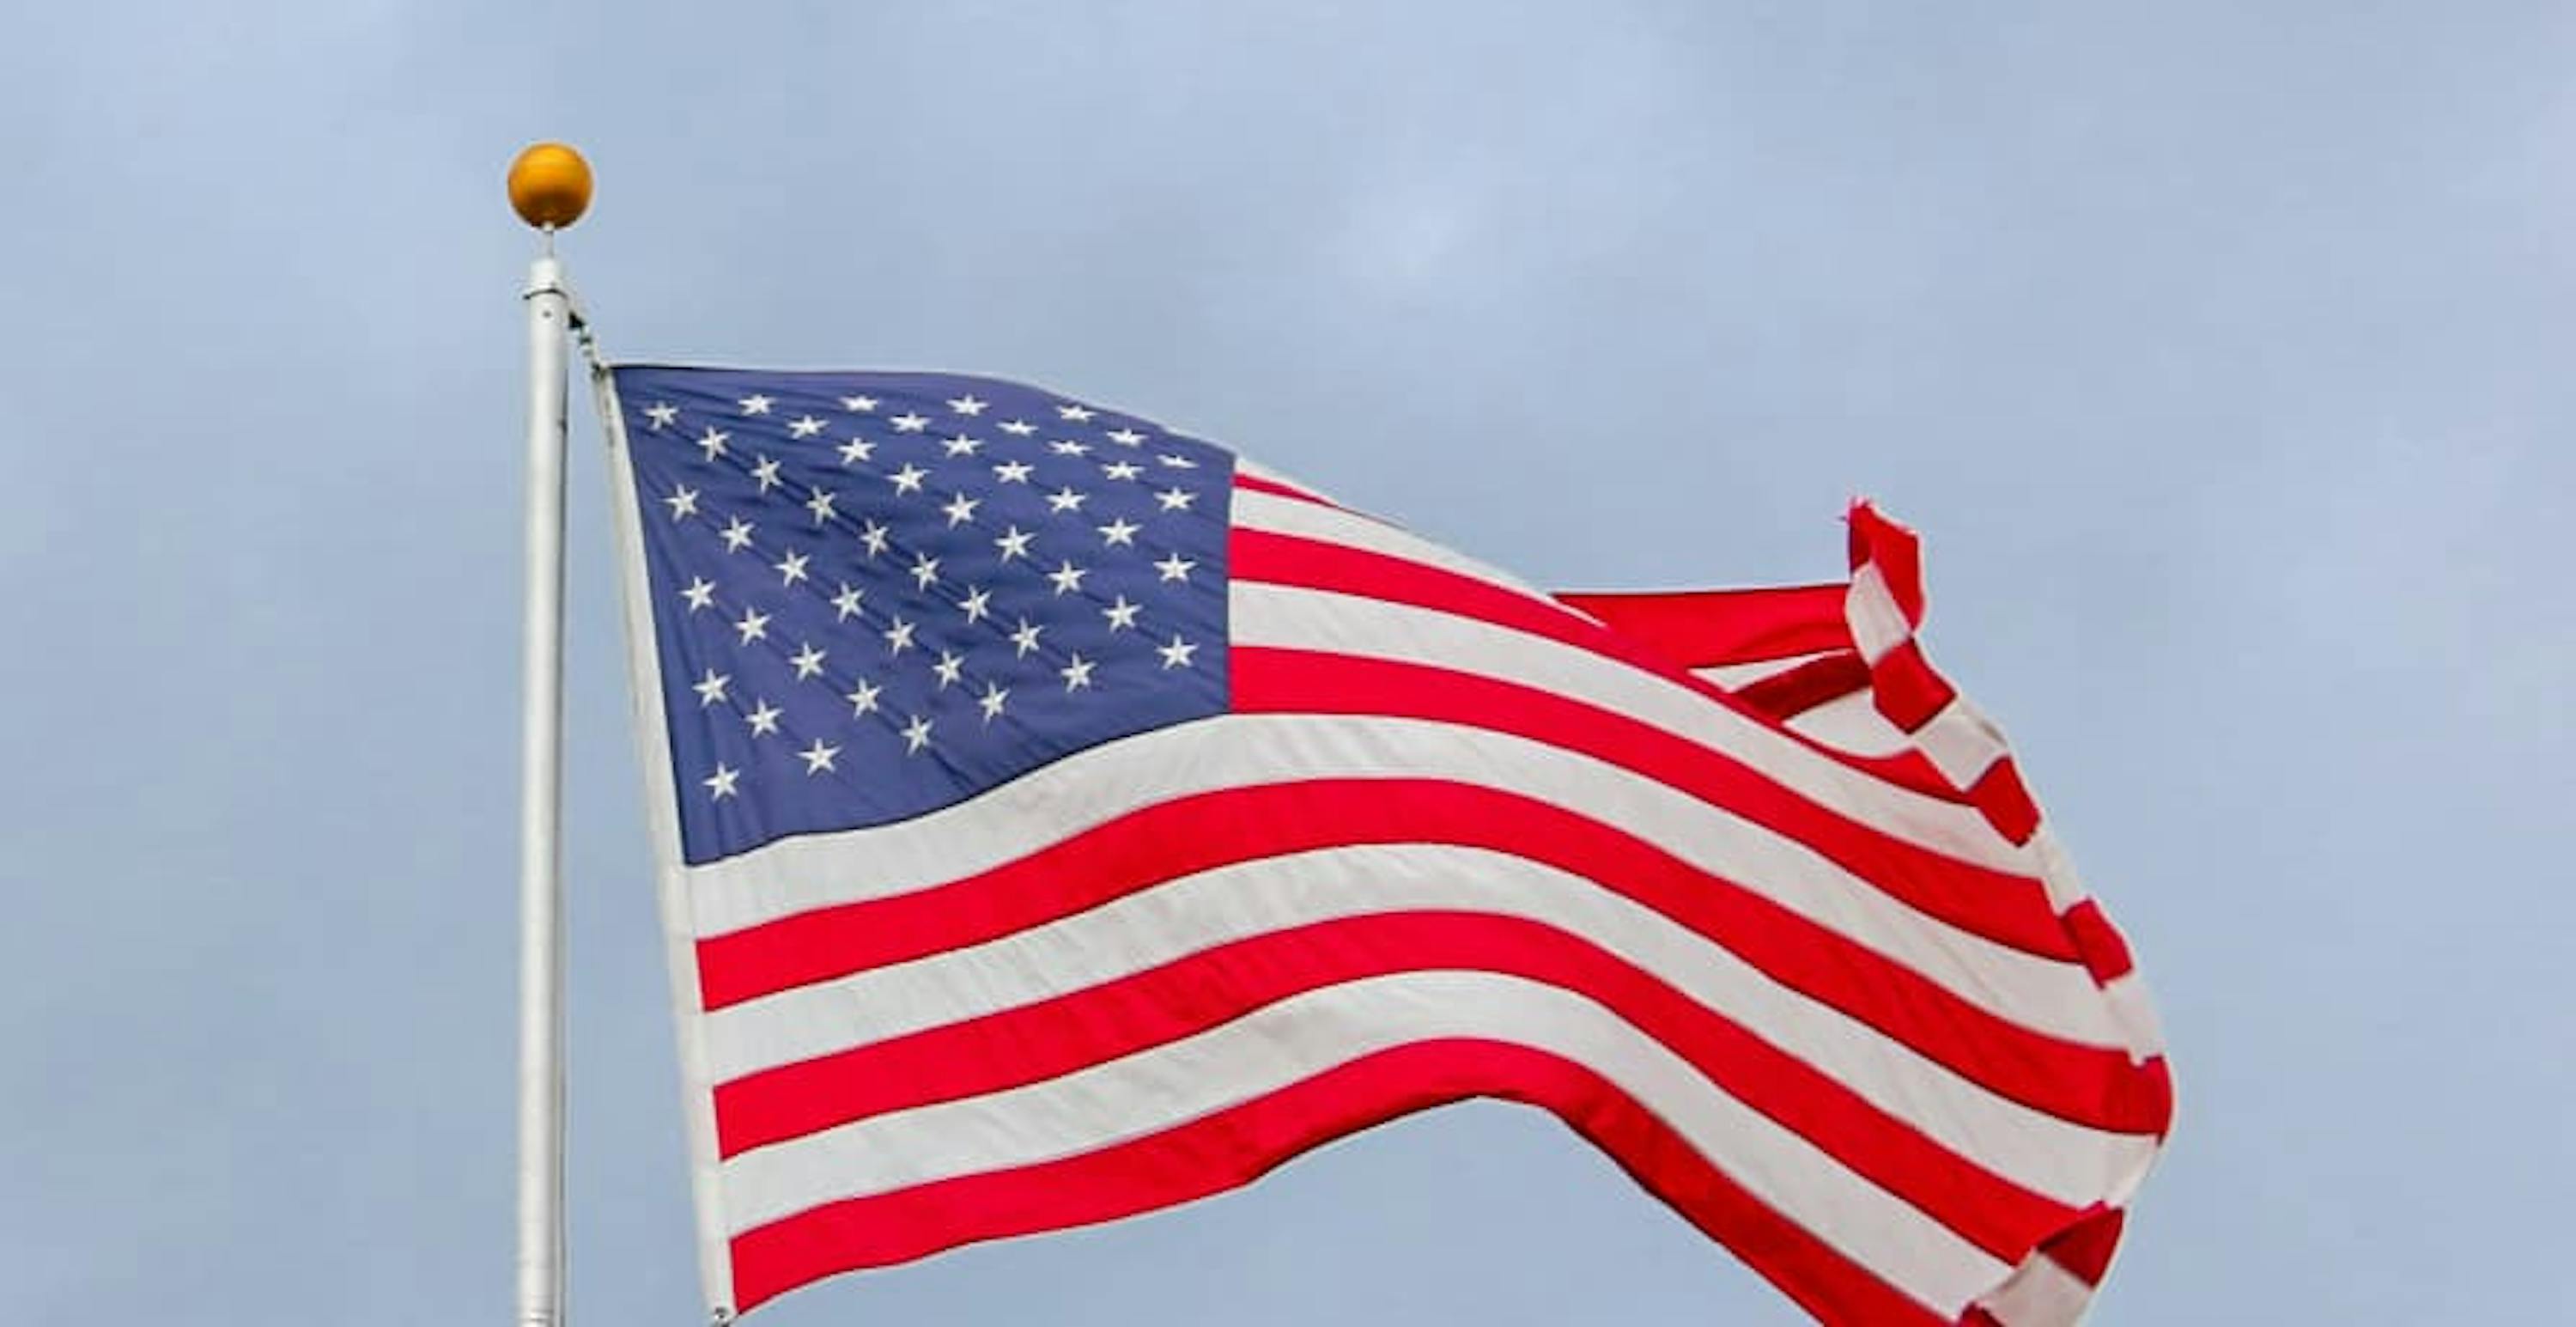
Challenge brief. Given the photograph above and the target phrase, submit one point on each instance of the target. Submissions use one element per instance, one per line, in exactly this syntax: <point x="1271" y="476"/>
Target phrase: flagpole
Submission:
<point x="549" y="188"/>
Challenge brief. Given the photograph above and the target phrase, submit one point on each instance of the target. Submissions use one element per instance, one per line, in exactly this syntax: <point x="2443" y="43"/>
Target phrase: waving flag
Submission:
<point x="1063" y="818"/>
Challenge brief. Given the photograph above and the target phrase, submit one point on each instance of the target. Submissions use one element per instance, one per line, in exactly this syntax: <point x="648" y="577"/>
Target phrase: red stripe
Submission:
<point x="1259" y="556"/>
<point x="1279" y="559"/>
<point x="2106" y="955"/>
<point x="2008" y="909"/>
<point x="2085" y="1249"/>
<point x="1898" y="555"/>
<point x="1231" y="1148"/>
<point x="2095" y="1086"/>
<point x="1706" y="628"/>
<point x="1194" y="994"/>
<point x="2008" y="806"/>
<point x="1906" y="690"/>
<point x="1786" y="695"/>
<point x="1908" y="767"/>
<point x="1274" y="488"/>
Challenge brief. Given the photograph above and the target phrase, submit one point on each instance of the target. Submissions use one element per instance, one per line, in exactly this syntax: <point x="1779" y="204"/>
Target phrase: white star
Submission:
<point x="808" y="661"/>
<point x="700" y="594"/>
<point x="899" y="636"/>
<point x="863" y="702"/>
<point x="950" y="667"/>
<point x="1025" y="639"/>
<point x="845" y="605"/>
<point x="1120" y="533"/>
<point x="683" y="502"/>
<point x="976" y="605"/>
<point x="737" y="535"/>
<point x="1066" y="447"/>
<point x="1019" y="428"/>
<point x="961" y="445"/>
<point x="1126" y="437"/>
<point x="967" y="405"/>
<point x="754" y="404"/>
<point x="925" y="570"/>
<point x="804" y="426"/>
<point x="766" y="473"/>
<point x="720" y="784"/>
<point x="711" y="688"/>
<point x="874" y="536"/>
<point x="857" y="450"/>
<point x="1120" y="614"/>
<point x="960" y="509"/>
<point x="1012" y="472"/>
<point x="1122" y="470"/>
<point x="992" y="700"/>
<point x="791" y="568"/>
<point x="859" y="405"/>
<point x="1013" y="543"/>
<point x="1178" y="462"/>
<point x="662" y="413"/>
<point x="1065" y="500"/>
<point x="818" y="757"/>
<point x="753" y="626"/>
<point x="908" y="422"/>
<point x="1076" y="673"/>
<point x="1175" y="499"/>
<point x="1175" y="568"/>
<point x="713" y="444"/>
<point x="763" y="719"/>
<point x="1177" y="654"/>
<point x="916" y="735"/>
<point x="908" y="479"/>
<point x="1078" y="414"/>
<point x="1067" y="577"/>
<point x="821" y="505"/>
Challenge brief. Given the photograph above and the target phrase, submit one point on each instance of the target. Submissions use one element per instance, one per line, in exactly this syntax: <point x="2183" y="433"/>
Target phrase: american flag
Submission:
<point x="1064" y="818"/>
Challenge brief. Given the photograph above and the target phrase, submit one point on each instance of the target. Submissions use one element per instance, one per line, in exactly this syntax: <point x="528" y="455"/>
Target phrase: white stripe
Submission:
<point x="2040" y="1294"/>
<point x="1961" y="742"/>
<point x="800" y="874"/>
<point x="1877" y="624"/>
<point x="1294" y="618"/>
<point x="1852" y="724"/>
<point x="2136" y="1014"/>
<point x="2057" y="869"/>
<point x="1268" y="512"/>
<point x="2068" y="1162"/>
<point x="1296" y="1039"/>
<point x="1738" y="676"/>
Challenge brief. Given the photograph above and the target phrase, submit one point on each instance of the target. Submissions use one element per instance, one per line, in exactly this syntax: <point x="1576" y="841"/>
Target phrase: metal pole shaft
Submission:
<point x="540" y="1259"/>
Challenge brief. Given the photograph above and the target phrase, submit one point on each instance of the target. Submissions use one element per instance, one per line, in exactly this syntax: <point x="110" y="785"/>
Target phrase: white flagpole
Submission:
<point x="549" y="187"/>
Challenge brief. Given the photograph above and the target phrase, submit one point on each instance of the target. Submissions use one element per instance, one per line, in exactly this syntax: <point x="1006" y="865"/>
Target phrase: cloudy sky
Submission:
<point x="2222" y="352"/>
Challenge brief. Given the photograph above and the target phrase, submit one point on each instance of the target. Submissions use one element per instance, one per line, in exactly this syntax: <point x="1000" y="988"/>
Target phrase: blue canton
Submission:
<point x="878" y="594"/>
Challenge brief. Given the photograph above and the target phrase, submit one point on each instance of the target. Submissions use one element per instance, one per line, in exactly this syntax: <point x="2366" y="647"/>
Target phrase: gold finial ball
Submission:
<point x="549" y="185"/>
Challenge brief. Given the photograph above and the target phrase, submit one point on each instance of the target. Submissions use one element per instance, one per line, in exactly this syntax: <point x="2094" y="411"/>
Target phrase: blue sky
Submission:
<point x="2222" y="353"/>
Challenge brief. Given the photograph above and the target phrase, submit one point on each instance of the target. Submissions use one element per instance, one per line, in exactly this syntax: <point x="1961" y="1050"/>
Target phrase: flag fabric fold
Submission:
<point x="1063" y="818"/>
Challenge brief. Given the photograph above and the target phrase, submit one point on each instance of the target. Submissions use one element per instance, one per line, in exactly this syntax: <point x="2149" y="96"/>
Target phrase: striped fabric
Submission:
<point x="1734" y="884"/>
